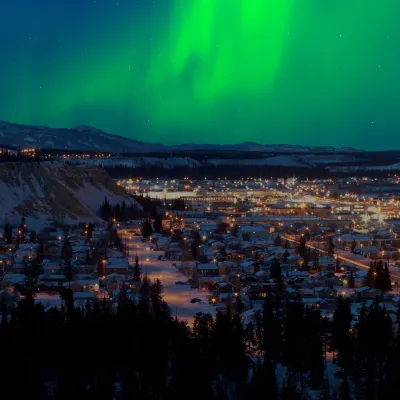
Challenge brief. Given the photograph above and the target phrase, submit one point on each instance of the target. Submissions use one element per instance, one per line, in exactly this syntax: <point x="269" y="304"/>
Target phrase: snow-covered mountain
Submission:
<point x="79" y="138"/>
<point x="56" y="192"/>
<point x="88" y="138"/>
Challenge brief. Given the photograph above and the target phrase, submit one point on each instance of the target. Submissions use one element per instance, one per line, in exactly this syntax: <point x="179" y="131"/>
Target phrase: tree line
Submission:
<point x="141" y="351"/>
<point x="234" y="172"/>
<point x="149" y="208"/>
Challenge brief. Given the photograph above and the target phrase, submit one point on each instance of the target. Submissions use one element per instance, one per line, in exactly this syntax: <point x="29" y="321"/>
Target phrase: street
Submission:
<point x="177" y="296"/>
<point x="346" y="256"/>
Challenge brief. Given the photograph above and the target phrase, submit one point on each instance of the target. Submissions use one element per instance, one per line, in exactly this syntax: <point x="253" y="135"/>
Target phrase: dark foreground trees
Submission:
<point x="140" y="351"/>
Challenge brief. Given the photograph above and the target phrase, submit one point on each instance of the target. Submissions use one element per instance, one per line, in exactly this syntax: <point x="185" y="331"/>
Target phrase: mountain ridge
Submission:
<point x="89" y="138"/>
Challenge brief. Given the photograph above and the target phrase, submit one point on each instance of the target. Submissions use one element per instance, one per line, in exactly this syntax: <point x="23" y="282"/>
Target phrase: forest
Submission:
<point x="139" y="350"/>
<point x="233" y="172"/>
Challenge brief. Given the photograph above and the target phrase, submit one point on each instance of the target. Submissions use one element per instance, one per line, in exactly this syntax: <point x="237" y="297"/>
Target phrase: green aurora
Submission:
<point x="312" y="72"/>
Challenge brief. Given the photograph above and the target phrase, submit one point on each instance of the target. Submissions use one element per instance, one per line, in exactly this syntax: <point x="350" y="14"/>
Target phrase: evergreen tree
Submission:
<point x="370" y="279"/>
<point x="331" y="246"/>
<point x="33" y="237"/>
<point x="278" y="240"/>
<point x="289" y="390"/>
<point x="156" y="293"/>
<point x="341" y="332"/>
<point x="286" y="254"/>
<point x="314" y="343"/>
<point x="352" y="282"/>
<point x="40" y="251"/>
<point x="137" y="270"/>
<point x="158" y="227"/>
<point x="238" y="305"/>
<point x="256" y="266"/>
<point x="67" y="251"/>
<point x="22" y="229"/>
<point x="302" y="247"/>
<point x="8" y="233"/>
<point x="384" y="281"/>
<point x="344" y="391"/>
<point x="196" y="242"/>
<point x="235" y="230"/>
<point x="147" y="229"/>
<point x="145" y="289"/>
<point x="106" y="211"/>
<point x="276" y="274"/>
<point x="271" y="342"/>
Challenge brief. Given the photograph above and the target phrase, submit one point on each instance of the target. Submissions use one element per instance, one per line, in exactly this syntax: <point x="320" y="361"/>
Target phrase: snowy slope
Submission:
<point x="391" y="167"/>
<point x="79" y="138"/>
<point x="54" y="192"/>
<point x="278" y="161"/>
<point x="314" y="159"/>
<point x="140" y="162"/>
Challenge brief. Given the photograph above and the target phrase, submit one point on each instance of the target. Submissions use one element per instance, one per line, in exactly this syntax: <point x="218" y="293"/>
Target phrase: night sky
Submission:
<point x="315" y="72"/>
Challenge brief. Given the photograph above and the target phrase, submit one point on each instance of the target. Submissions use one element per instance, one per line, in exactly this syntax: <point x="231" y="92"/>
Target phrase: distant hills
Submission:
<point x="79" y="138"/>
<point x="89" y="138"/>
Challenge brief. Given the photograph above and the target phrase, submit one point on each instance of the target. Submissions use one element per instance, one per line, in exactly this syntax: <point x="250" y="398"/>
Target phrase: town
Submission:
<point x="212" y="248"/>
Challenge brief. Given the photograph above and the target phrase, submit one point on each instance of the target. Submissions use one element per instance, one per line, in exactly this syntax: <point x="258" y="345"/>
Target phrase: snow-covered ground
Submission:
<point x="278" y="161"/>
<point x="135" y="162"/>
<point x="177" y="296"/>
<point x="391" y="167"/>
<point x="317" y="159"/>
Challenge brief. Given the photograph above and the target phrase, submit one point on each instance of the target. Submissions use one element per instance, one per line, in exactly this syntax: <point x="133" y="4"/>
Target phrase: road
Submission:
<point x="350" y="258"/>
<point x="177" y="296"/>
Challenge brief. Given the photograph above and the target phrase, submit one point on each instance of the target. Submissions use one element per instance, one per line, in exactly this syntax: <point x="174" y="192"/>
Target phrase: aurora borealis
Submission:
<point x="312" y="72"/>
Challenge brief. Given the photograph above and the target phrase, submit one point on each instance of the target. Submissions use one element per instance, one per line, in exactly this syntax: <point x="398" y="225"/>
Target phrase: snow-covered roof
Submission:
<point x="207" y="266"/>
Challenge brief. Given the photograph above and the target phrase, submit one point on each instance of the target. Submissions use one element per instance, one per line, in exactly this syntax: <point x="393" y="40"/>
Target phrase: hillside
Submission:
<point x="91" y="139"/>
<point x="79" y="138"/>
<point x="54" y="192"/>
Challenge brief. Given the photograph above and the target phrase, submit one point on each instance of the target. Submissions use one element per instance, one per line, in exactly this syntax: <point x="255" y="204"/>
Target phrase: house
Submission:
<point x="174" y="254"/>
<point x="115" y="281"/>
<point x="223" y="288"/>
<point x="293" y="259"/>
<point x="225" y="298"/>
<point x="83" y="286"/>
<point x="323" y="292"/>
<point x="248" y="316"/>
<point x="20" y="265"/>
<point x="291" y="293"/>
<point x="116" y="265"/>
<point x="259" y="291"/>
<point x="13" y="278"/>
<point x="49" y="301"/>
<point x="53" y="266"/>
<point x="316" y="303"/>
<point x="206" y="282"/>
<point x="52" y="249"/>
<point x="81" y="298"/>
<point x="7" y="297"/>
<point x="51" y="279"/>
<point x="6" y="261"/>
<point x="268" y="262"/>
<point x="208" y="269"/>
<point x="162" y="243"/>
<point x="365" y="292"/>
<point x="299" y="274"/>
<point x="252" y="232"/>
